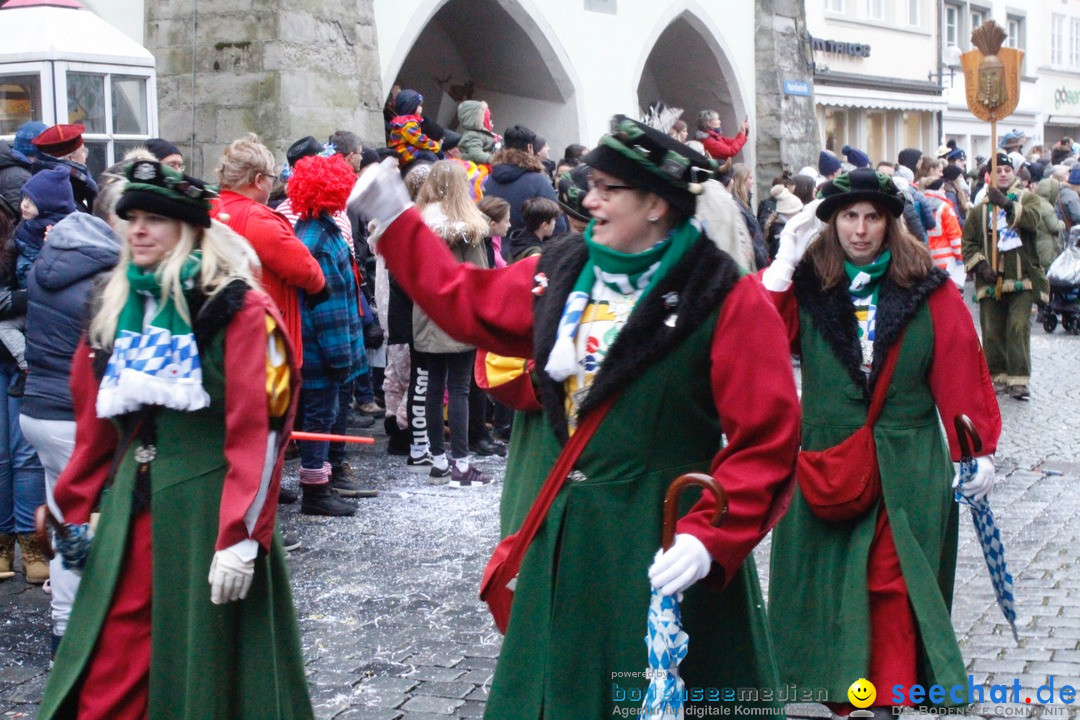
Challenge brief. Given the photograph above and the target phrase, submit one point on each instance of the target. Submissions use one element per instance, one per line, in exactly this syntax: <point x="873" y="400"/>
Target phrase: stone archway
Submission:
<point x="493" y="51"/>
<point x="687" y="68"/>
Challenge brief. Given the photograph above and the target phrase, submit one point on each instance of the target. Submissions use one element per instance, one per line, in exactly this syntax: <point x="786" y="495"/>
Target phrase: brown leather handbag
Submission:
<point x="843" y="482"/>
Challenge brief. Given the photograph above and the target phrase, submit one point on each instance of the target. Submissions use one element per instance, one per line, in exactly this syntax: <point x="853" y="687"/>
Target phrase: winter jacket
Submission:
<point x="82" y="183"/>
<point x="515" y="177"/>
<point x="718" y="146"/>
<point x="81" y="251"/>
<point x="287" y="266"/>
<point x="1068" y="206"/>
<point x="477" y="142"/>
<point x="522" y="244"/>
<point x="409" y="141"/>
<point x="1020" y="266"/>
<point x="761" y="255"/>
<point x="12" y="300"/>
<point x="332" y="331"/>
<point x="427" y="336"/>
<point x="14" y="172"/>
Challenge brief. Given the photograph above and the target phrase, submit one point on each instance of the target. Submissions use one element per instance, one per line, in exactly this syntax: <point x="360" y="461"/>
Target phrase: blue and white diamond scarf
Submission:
<point x="155" y="360"/>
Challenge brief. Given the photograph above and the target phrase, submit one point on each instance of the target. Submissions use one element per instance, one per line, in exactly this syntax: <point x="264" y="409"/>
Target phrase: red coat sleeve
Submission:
<point x="753" y="387"/>
<point x="254" y="453"/>
<point x="788" y="307"/>
<point x="281" y="252"/>
<point x="718" y="146"/>
<point x="491" y="309"/>
<point x="959" y="378"/>
<point x="80" y="484"/>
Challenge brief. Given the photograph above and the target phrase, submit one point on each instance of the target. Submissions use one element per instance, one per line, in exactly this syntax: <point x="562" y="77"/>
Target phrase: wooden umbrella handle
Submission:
<point x="671" y="503"/>
<point x="43" y="519"/>
<point x="967" y="436"/>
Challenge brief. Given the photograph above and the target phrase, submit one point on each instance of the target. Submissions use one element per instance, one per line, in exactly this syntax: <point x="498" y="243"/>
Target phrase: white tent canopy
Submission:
<point x="64" y="30"/>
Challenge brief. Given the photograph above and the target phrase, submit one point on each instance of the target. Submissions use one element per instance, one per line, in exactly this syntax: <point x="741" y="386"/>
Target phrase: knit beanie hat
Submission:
<point x="159" y="189"/>
<point x="856" y="157"/>
<point x="827" y="163"/>
<point x="59" y="140"/>
<point x="25" y="135"/>
<point x="652" y="160"/>
<point x="519" y="137"/>
<point x="1074" y="175"/>
<point x="863" y="184"/>
<point x="909" y="158"/>
<point x="407" y="101"/>
<point x="50" y="190"/>
<point x="161" y="149"/>
<point x="786" y="202"/>
<point x="956" y="154"/>
<point x="951" y="172"/>
<point x="573" y="186"/>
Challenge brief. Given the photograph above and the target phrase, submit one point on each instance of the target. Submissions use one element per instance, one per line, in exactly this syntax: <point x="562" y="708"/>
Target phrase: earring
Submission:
<point x="654" y="220"/>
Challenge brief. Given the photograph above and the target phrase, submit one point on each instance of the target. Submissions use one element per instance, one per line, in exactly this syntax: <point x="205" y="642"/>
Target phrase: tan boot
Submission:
<point x="7" y="556"/>
<point x="35" y="563"/>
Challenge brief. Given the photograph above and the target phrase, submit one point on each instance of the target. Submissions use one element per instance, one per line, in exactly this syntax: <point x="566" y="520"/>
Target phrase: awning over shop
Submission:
<point x="1063" y="120"/>
<point x="863" y="98"/>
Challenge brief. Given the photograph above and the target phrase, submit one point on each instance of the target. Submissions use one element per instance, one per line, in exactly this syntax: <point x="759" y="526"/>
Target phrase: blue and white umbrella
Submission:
<point x="666" y="640"/>
<point x="986" y="528"/>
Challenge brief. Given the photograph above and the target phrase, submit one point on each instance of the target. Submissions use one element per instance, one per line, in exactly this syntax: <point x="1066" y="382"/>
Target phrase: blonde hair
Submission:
<point x="448" y="187"/>
<point x="225" y="257"/>
<point x="739" y="174"/>
<point x="243" y="161"/>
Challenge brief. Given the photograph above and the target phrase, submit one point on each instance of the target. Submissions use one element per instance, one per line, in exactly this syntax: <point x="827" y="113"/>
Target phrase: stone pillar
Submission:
<point x="787" y="124"/>
<point x="279" y="69"/>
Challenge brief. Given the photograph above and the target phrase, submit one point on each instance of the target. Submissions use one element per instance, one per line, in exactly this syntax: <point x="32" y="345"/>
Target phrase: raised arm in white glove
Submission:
<point x="795" y="238"/>
<point x="979" y="486"/>
<point x="381" y="193"/>
<point x="230" y="577"/>
<point x="685" y="562"/>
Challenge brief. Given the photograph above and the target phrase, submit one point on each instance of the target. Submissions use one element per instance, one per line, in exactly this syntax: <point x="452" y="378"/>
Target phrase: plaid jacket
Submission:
<point x="332" y="331"/>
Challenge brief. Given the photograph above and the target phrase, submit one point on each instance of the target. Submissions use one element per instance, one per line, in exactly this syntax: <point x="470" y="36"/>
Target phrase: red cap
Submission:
<point x="59" y="140"/>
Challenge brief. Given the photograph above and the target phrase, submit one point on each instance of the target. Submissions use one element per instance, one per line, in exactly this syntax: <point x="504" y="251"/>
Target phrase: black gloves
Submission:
<point x="313" y="299"/>
<point x="985" y="273"/>
<point x="995" y="196"/>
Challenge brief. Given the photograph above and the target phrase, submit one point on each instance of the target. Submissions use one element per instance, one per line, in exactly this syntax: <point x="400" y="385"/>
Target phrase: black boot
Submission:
<point x="318" y="500"/>
<point x="398" y="439"/>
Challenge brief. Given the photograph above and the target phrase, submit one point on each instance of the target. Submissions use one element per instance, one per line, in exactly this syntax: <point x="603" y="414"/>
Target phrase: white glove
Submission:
<point x="382" y="193"/>
<point x="686" y="562"/>
<point x="982" y="483"/>
<point x="230" y="577"/>
<point x="795" y="238"/>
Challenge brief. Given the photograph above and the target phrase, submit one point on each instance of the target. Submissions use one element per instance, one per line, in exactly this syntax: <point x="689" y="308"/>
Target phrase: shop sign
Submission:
<point x="840" y="48"/>
<point x="1065" y="97"/>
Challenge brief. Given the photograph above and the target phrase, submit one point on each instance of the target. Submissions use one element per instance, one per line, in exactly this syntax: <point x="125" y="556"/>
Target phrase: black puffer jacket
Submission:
<point x="80" y="250"/>
<point x="14" y="172"/>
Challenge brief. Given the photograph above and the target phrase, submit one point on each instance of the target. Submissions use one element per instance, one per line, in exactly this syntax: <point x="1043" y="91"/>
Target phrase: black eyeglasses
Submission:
<point x="604" y="188"/>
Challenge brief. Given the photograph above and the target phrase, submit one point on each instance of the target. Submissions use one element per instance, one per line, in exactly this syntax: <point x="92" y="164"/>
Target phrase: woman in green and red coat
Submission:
<point x="645" y="308"/>
<point x="184" y="393"/>
<point x="870" y="597"/>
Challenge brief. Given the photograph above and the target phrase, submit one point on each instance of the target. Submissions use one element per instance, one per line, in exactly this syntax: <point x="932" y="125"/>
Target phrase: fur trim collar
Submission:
<point x="833" y="315"/>
<point x="518" y="158"/>
<point x="701" y="281"/>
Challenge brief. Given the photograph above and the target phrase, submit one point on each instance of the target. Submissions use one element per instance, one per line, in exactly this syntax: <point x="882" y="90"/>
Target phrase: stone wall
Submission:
<point x="279" y="69"/>
<point x="787" y="132"/>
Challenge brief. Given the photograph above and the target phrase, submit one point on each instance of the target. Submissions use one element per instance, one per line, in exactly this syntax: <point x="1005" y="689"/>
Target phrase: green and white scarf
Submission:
<point x="624" y="273"/>
<point x="155" y="360"/>
<point x="864" y="284"/>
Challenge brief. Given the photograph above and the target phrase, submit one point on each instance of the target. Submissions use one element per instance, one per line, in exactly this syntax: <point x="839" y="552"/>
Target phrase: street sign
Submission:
<point x="797" y="87"/>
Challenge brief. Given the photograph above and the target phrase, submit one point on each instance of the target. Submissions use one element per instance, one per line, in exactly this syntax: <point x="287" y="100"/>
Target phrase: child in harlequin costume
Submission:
<point x="645" y="308"/>
<point x="406" y="137"/>
<point x="184" y="393"/>
<point x="870" y="597"/>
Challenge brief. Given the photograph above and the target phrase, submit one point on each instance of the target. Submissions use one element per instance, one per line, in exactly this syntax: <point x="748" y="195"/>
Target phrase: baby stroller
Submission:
<point x="1064" y="277"/>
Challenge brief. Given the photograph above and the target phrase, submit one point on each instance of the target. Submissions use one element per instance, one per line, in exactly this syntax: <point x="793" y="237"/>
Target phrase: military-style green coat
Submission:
<point x="1022" y="268"/>
<point x="238" y="660"/>
<point x="818" y="602"/>
<point x="708" y="362"/>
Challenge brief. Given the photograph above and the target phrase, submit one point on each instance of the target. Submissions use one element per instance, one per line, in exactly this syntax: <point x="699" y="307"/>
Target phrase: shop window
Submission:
<point x="1057" y="40"/>
<point x="20" y="101"/>
<point x="836" y="129"/>
<point x="86" y="101"/>
<point x="875" y="135"/>
<point x="913" y="126"/>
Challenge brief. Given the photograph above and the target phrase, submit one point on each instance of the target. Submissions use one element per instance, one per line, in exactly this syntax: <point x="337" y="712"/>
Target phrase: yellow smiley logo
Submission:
<point x="862" y="693"/>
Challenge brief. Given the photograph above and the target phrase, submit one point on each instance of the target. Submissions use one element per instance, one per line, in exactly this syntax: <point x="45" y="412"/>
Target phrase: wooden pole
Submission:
<point x="993" y="214"/>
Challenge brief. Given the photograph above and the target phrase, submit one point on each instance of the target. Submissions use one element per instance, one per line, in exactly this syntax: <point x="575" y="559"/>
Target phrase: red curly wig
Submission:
<point x="320" y="185"/>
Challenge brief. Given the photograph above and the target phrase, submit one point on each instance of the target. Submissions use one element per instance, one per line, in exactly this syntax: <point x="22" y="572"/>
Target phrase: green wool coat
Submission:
<point x="818" y="603"/>
<point x="1022" y="268"/>
<point x="221" y="662"/>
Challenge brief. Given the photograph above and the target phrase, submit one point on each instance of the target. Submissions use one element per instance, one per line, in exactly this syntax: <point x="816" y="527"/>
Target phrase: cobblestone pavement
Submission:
<point x="392" y="628"/>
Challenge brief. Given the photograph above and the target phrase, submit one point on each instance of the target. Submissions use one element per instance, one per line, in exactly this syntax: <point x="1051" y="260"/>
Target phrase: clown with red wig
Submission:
<point x="332" y="334"/>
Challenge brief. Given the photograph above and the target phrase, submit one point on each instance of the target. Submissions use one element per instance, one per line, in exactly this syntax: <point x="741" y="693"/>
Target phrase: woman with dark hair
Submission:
<point x="185" y="391"/>
<point x="645" y="310"/>
<point x="803" y="187"/>
<point x="869" y="597"/>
